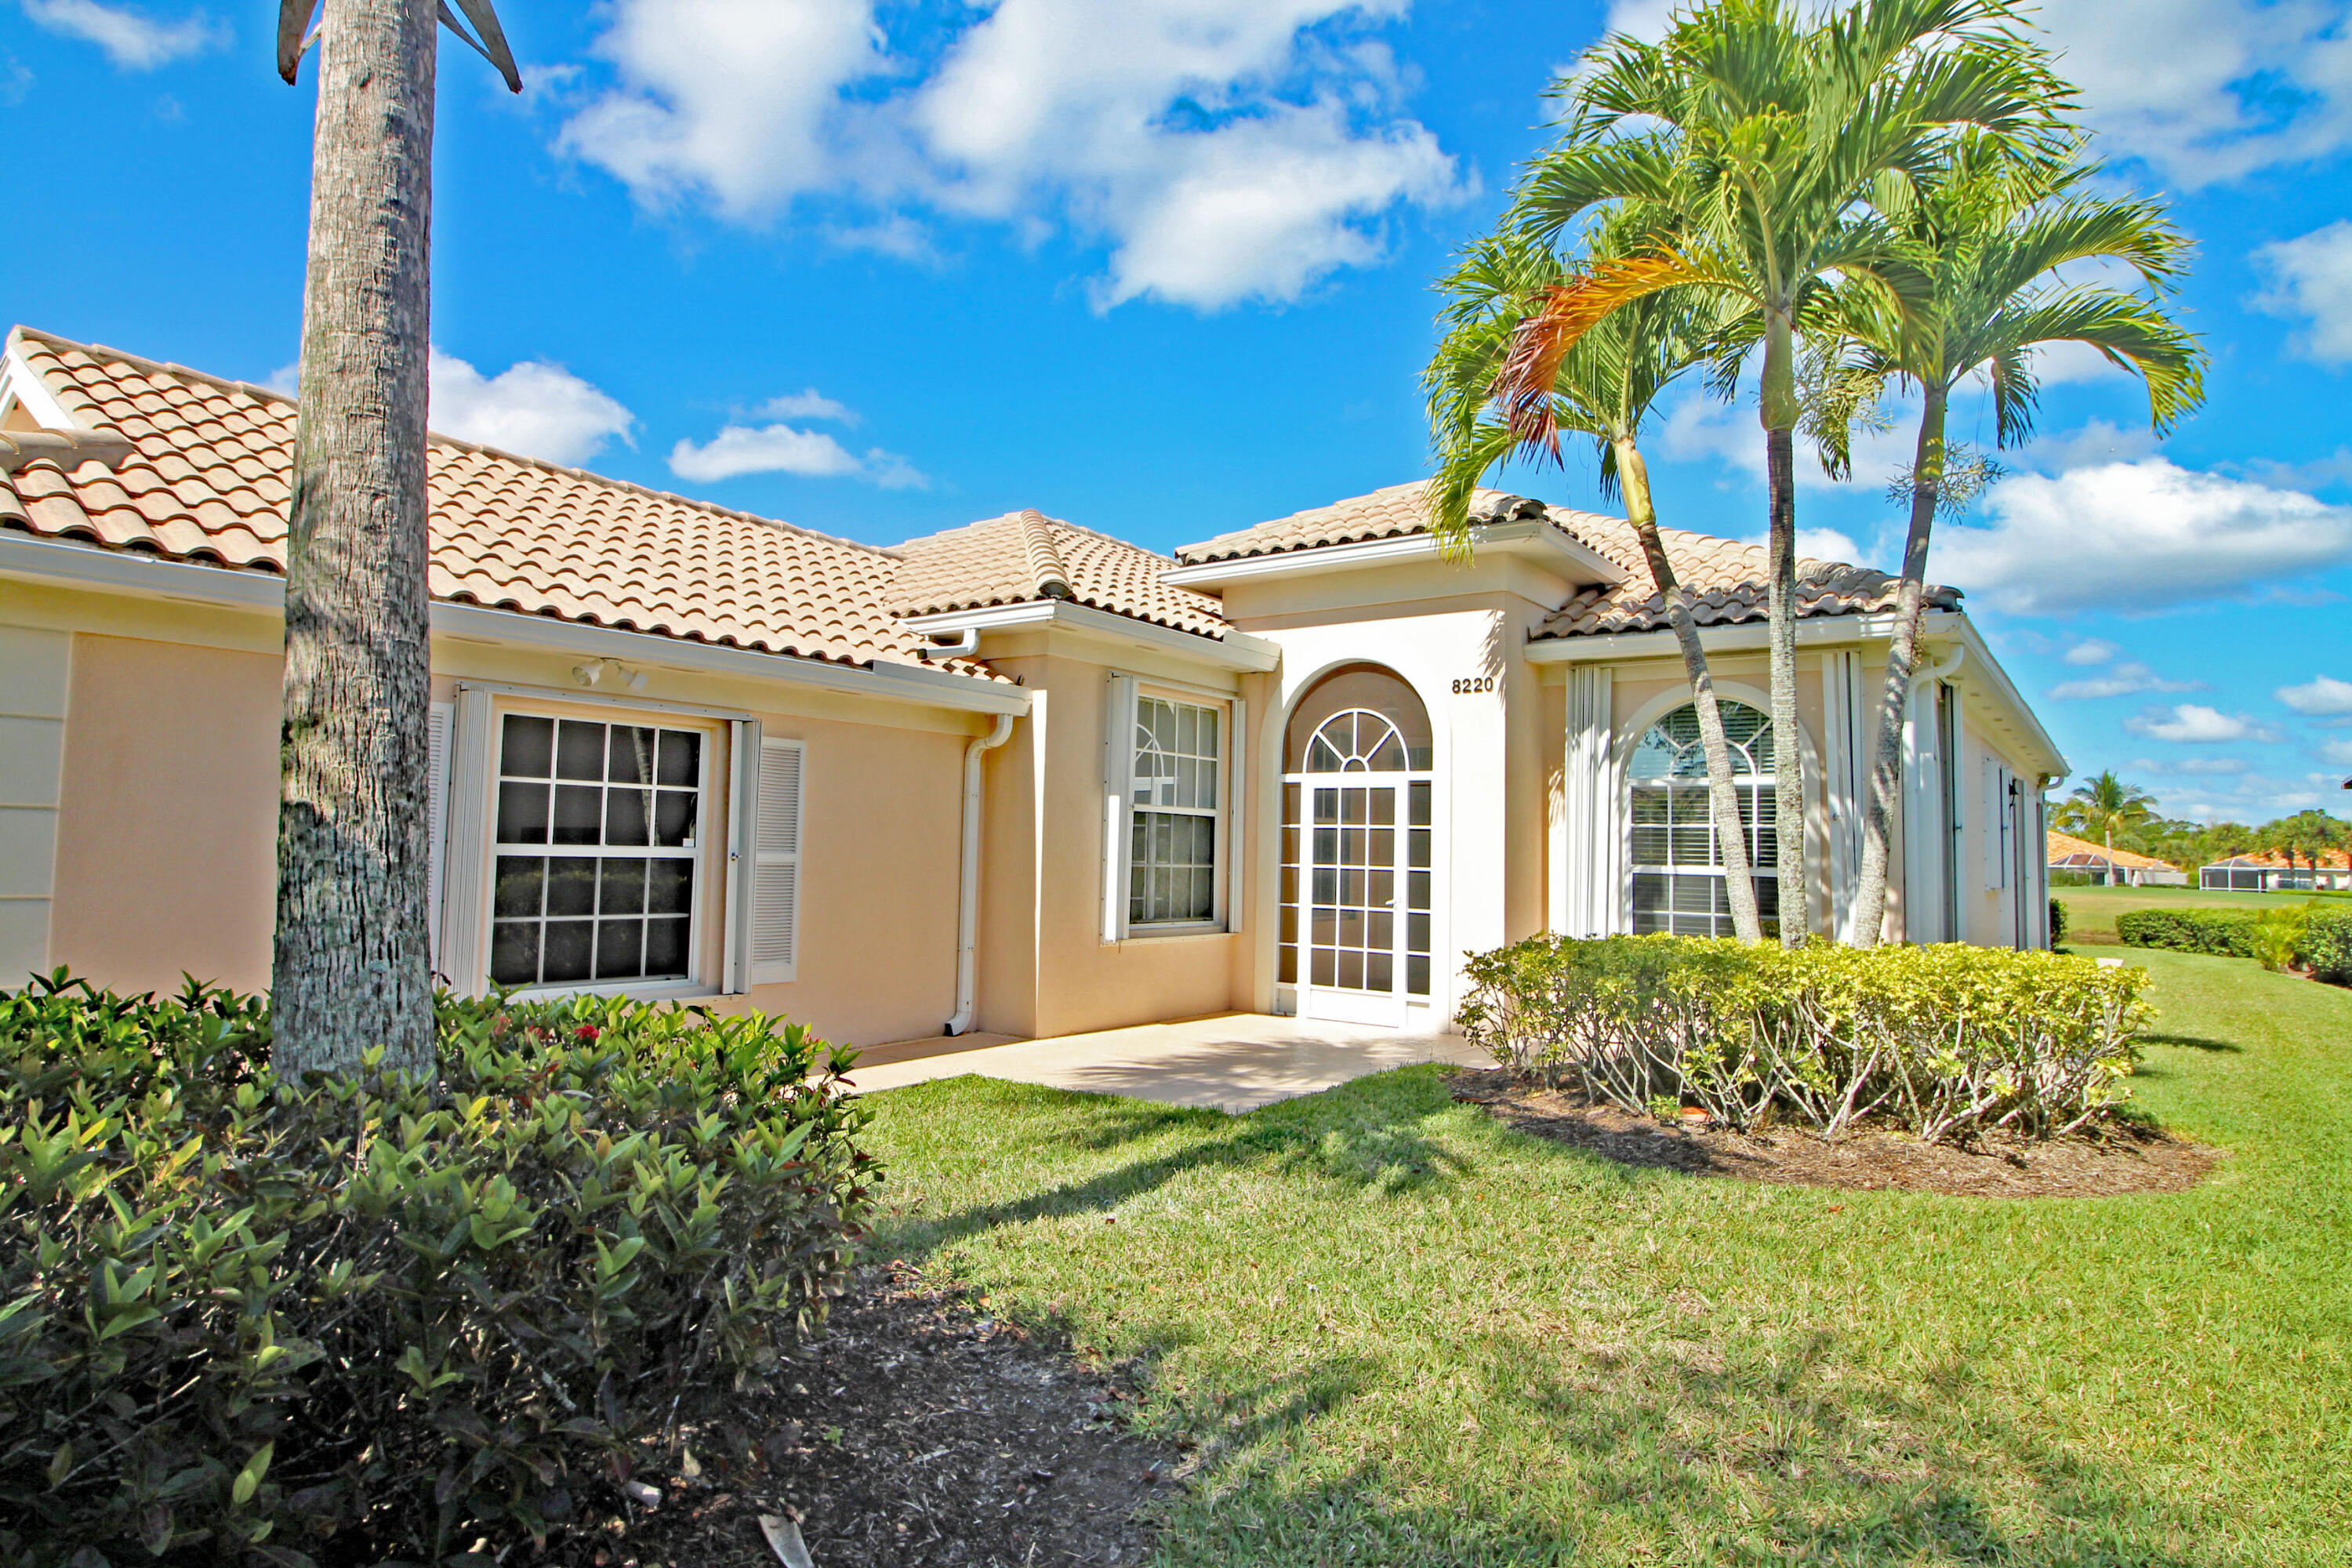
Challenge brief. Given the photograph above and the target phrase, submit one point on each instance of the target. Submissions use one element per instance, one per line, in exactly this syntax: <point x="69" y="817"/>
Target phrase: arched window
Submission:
<point x="1679" y="883"/>
<point x="1358" y="719"/>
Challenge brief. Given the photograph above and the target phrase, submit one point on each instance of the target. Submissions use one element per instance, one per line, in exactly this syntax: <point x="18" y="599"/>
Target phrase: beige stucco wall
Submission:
<point x="166" y="856"/>
<point x="1045" y="967"/>
<point x="164" y="844"/>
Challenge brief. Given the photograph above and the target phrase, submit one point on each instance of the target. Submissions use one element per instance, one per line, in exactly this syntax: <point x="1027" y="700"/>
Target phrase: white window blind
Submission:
<point x="436" y="821"/>
<point x="776" y="864"/>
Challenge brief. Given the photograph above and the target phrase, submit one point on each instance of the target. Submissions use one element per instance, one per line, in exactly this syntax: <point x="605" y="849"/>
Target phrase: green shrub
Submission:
<point x="2327" y="946"/>
<point x="2228" y="933"/>
<point x="1949" y="1041"/>
<point x="243" y="1320"/>
<point x="2276" y="937"/>
<point x="2057" y="922"/>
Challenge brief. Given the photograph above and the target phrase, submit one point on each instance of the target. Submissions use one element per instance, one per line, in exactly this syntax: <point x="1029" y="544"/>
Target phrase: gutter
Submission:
<point x="968" y="894"/>
<point x="1234" y="650"/>
<point x="95" y="569"/>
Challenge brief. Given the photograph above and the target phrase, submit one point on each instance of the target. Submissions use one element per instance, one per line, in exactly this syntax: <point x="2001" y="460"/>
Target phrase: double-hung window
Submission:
<point x="1170" y="760"/>
<point x="596" y="852"/>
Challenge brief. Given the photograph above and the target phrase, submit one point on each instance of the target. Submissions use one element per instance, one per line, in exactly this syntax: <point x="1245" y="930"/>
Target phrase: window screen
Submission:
<point x="1173" y="836"/>
<point x="596" y="852"/>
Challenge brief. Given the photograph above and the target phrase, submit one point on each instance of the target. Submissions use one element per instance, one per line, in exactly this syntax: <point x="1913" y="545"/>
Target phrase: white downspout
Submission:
<point x="968" y="906"/>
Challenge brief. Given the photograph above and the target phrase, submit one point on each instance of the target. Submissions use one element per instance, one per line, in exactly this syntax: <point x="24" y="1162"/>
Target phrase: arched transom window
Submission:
<point x="1356" y="742"/>
<point x="1679" y="883"/>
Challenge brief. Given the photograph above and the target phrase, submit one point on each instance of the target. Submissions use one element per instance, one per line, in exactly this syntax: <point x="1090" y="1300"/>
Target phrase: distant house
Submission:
<point x="2113" y="867"/>
<point x="2270" y="872"/>
<point x="1018" y="775"/>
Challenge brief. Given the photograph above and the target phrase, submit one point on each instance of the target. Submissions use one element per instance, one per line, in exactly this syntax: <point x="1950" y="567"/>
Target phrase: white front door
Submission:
<point x="1357" y="894"/>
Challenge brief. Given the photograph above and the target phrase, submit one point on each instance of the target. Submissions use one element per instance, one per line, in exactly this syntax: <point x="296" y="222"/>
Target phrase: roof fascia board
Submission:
<point x="1816" y="631"/>
<point x="1234" y="650"/>
<point x="1533" y="536"/>
<point x="1737" y="638"/>
<point x="97" y="569"/>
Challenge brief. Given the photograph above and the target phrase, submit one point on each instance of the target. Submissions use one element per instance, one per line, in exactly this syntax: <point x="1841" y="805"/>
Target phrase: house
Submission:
<point x="2113" y="867"/>
<point x="1019" y="775"/>
<point x="2268" y="871"/>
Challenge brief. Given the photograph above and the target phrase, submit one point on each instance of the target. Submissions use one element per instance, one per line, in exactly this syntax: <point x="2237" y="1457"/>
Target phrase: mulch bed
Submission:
<point x="919" y="1432"/>
<point x="2123" y="1157"/>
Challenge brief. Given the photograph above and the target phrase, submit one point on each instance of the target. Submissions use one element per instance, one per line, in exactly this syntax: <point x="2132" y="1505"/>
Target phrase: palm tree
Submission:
<point x="351" y="971"/>
<point x="1497" y="391"/>
<point x="2102" y="806"/>
<point x="1990" y="231"/>
<point x="1753" y="138"/>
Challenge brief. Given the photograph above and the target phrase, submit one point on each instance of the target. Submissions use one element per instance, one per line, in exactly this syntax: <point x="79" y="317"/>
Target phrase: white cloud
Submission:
<point x="2211" y="767"/>
<point x="2091" y="650"/>
<point x="2311" y="279"/>
<point x="2324" y="698"/>
<point x="538" y="409"/>
<point x="132" y="39"/>
<point x="2196" y="725"/>
<point x="2205" y="91"/>
<point x="2337" y="752"/>
<point x="2056" y="365"/>
<point x="2138" y="536"/>
<point x="2124" y="681"/>
<point x="2208" y="90"/>
<point x="740" y="450"/>
<point x="728" y="100"/>
<point x="1225" y="149"/>
<point x="809" y="404"/>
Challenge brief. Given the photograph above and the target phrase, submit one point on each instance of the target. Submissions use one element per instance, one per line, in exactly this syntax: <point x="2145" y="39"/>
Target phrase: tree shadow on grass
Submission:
<point x="1765" y="1453"/>
<point x="2193" y="1043"/>
<point x="1371" y="1134"/>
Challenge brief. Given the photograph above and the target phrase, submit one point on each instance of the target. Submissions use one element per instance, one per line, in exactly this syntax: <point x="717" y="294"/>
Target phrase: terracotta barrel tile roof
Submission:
<point x="1025" y="556"/>
<point x="208" y="482"/>
<point x="2065" y="847"/>
<point x="1726" y="578"/>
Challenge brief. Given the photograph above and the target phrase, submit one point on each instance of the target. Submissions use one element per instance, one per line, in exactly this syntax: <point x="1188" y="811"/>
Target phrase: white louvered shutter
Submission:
<point x="436" y="821"/>
<point x="776" y="864"/>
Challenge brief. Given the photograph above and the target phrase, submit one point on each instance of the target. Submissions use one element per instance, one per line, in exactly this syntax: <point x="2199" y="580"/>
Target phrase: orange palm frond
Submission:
<point x="1523" y="388"/>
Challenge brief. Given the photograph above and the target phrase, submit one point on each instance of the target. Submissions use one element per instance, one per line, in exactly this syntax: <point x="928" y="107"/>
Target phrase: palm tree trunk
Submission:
<point x="350" y="965"/>
<point x="1723" y="801"/>
<point x="1779" y="414"/>
<point x="1885" y="806"/>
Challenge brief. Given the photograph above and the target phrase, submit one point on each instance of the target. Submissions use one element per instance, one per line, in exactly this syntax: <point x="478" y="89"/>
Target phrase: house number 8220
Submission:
<point x="1472" y="683"/>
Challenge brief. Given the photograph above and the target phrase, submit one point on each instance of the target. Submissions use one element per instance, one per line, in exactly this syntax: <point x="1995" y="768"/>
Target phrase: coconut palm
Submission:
<point x="2102" y="806"/>
<point x="1492" y="399"/>
<point x="1751" y="137"/>
<point x="351" y="971"/>
<point x="1992" y="230"/>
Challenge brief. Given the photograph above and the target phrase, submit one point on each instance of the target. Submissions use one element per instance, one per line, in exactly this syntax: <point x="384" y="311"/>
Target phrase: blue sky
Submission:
<point x="1161" y="267"/>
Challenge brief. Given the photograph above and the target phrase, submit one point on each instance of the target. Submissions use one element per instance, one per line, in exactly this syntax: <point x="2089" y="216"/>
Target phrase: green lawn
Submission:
<point x="1415" y="1338"/>
<point x="2091" y="911"/>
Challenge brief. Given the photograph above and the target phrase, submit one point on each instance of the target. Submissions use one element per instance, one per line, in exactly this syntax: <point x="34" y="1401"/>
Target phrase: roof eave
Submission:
<point x="1233" y="650"/>
<point x="1534" y="538"/>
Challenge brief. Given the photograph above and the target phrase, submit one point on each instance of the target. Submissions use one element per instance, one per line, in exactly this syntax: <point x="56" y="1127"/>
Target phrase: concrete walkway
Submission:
<point x="1231" y="1061"/>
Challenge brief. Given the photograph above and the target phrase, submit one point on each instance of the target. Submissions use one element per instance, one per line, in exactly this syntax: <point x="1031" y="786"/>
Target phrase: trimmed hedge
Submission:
<point x="2328" y="946"/>
<point x="2324" y="945"/>
<point x="2228" y="933"/>
<point x="1949" y="1041"/>
<point x="2058" y="918"/>
<point x="243" y="1320"/>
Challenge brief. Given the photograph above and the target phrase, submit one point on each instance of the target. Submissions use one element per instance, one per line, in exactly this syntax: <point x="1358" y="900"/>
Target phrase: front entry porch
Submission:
<point x="1230" y="1061"/>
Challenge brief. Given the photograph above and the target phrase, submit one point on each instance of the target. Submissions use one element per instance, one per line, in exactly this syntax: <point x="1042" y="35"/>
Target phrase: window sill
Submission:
<point x="666" y="991"/>
<point x="1153" y="935"/>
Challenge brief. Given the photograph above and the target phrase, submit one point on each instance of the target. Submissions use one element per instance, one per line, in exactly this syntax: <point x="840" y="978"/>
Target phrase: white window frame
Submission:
<point x="1123" y="696"/>
<point x="708" y="807"/>
<point x="468" y="855"/>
